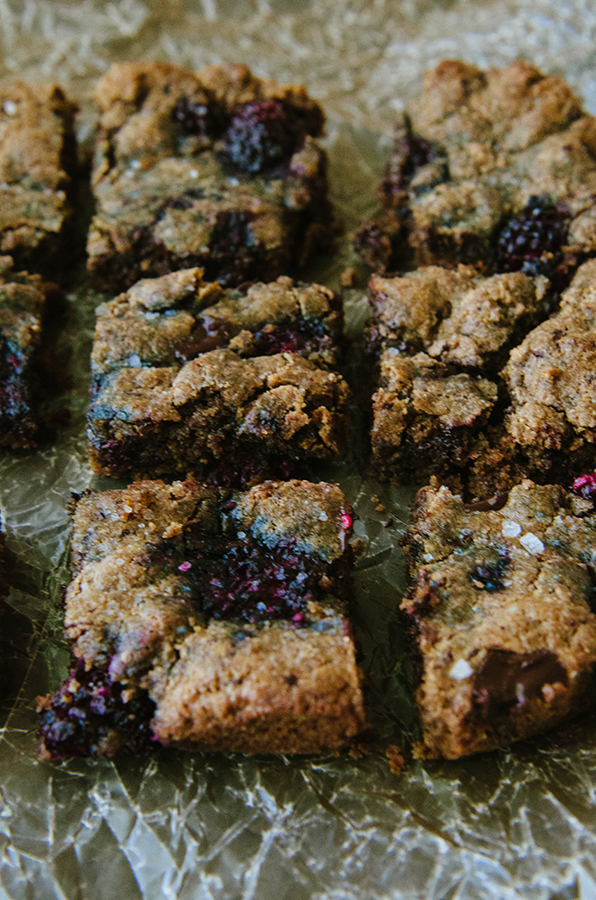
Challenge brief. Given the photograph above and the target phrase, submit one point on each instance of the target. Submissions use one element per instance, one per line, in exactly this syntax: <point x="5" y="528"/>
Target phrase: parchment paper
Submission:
<point x="515" y="824"/>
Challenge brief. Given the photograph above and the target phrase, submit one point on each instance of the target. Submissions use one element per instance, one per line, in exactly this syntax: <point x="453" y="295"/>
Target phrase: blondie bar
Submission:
<point x="163" y="401"/>
<point x="208" y="619"/>
<point x="500" y="605"/>
<point x="496" y="167"/>
<point x="442" y="337"/>
<point x="25" y="302"/>
<point x="218" y="169"/>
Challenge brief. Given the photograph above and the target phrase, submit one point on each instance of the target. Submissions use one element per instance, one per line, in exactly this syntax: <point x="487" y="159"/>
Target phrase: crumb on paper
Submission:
<point x="349" y="277"/>
<point x="359" y="749"/>
<point x="397" y="760"/>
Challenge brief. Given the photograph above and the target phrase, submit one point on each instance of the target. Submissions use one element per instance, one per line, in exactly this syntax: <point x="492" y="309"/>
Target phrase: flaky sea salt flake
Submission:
<point x="511" y="529"/>
<point x="532" y="543"/>
<point x="461" y="670"/>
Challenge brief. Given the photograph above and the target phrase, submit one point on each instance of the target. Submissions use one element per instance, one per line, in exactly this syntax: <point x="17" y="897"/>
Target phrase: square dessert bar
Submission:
<point x="495" y="166"/>
<point x="37" y="163"/>
<point x="500" y="604"/>
<point x="206" y="619"/>
<point x="25" y="302"/>
<point x="164" y="401"/>
<point x="218" y="169"/>
<point x="442" y="336"/>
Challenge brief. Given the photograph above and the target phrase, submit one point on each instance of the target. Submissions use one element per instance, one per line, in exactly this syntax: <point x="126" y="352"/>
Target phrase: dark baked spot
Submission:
<point x="411" y="154"/>
<point x="197" y="118"/>
<point x="488" y="575"/>
<point x="241" y="473"/>
<point x="506" y="680"/>
<point x="496" y="502"/>
<point x="234" y="251"/>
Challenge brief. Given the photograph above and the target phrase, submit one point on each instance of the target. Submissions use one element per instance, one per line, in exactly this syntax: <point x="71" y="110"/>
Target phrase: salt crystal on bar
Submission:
<point x="511" y="529"/>
<point x="532" y="543"/>
<point x="10" y="107"/>
<point x="460" y="670"/>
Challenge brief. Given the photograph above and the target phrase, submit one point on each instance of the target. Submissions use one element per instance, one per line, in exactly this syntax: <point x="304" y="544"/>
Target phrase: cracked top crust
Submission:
<point x="169" y="320"/>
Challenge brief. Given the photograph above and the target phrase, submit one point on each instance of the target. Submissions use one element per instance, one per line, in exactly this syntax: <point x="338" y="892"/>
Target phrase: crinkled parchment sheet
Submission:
<point x="508" y="824"/>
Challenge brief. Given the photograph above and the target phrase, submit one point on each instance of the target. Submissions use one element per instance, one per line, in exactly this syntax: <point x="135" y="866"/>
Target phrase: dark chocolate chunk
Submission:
<point x="507" y="679"/>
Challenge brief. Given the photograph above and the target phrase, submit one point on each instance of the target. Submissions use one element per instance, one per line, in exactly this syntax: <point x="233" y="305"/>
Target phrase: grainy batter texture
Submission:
<point x="500" y="602"/>
<point x="218" y="169"/>
<point x="164" y="401"/>
<point x="37" y="164"/>
<point x="496" y="167"/>
<point x="207" y="619"/>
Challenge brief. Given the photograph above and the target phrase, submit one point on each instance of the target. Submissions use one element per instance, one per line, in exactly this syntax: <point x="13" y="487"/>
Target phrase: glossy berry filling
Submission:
<point x="91" y="715"/>
<point x="244" y="581"/>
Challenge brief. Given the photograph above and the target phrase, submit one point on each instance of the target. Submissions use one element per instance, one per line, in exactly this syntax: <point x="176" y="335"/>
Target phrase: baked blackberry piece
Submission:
<point x="206" y="619"/>
<point x="442" y="337"/>
<point x="218" y="169"/>
<point x="500" y="603"/>
<point x="25" y="304"/>
<point x="162" y="401"/>
<point x="37" y="164"/>
<point x="496" y="167"/>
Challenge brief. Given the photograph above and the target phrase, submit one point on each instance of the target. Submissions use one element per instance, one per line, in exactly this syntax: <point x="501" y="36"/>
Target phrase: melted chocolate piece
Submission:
<point x="507" y="680"/>
<point x="495" y="503"/>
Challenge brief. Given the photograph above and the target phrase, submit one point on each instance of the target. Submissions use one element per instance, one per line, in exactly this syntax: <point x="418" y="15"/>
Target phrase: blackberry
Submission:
<point x="91" y="715"/>
<point x="532" y="242"/>
<point x="260" y="136"/>
<point x="585" y="486"/>
<point x="245" y="581"/>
